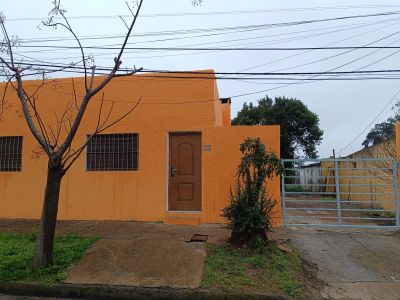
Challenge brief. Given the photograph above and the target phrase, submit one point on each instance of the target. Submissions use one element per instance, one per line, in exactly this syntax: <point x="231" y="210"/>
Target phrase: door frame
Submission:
<point x="169" y="133"/>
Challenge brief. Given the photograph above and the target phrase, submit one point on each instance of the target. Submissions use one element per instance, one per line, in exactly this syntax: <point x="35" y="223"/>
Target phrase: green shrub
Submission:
<point x="294" y="188"/>
<point x="250" y="207"/>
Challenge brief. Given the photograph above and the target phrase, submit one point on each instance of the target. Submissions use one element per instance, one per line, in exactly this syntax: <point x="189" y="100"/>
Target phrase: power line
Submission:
<point x="216" y="73"/>
<point x="115" y="36"/>
<point x="336" y="55"/>
<point x="307" y="51"/>
<point x="369" y="125"/>
<point x="203" y="52"/>
<point x="261" y="26"/>
<point x="218" y="49"/>
<point x="302" y="80"/>
<point x="258" y="11"/>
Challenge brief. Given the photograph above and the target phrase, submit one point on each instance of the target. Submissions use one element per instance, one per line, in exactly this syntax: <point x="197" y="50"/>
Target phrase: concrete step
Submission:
<point x="182" y="218"/>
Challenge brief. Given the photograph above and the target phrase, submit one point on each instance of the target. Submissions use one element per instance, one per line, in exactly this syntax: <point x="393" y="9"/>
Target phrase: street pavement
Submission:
<point x="353" y="264"/>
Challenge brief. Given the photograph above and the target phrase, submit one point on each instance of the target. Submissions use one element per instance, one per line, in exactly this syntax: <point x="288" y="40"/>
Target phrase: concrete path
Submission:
<point x="353" y="264"/>
<point x="142" y="254"/>
<point x="141" y="262"/>
<point x="135" y="253"/>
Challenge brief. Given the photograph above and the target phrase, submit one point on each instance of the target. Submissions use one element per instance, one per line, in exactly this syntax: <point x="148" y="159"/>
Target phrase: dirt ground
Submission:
<point x="309" y="212"/>
<point x="122" y="230"/>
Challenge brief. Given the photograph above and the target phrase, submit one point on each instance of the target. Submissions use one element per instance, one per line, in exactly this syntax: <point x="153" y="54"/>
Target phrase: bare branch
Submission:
<point x="74" y="91"/>
<point x="92" y="77"/>
<point x="3" y="99"/>
<point x="127" y="4"/>
<point x="42" y="127"/>
<point x="108" y="115"/>
<point x="8" y="65"/>
<point x="129" y="73"/>
<point x="75" y="155"/>
<point x="53" y="136"/>
<point x="92" y="93"/>
<point x="58" y="10"/>
<point x="126" y="25"/>
<point x="122" y="117"/>
<point x="28" y="118"/>
<point x="8" y="41"/>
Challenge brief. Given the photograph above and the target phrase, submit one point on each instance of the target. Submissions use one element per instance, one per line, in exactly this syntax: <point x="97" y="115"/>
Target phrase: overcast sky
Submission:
<point x="345" y="108"/>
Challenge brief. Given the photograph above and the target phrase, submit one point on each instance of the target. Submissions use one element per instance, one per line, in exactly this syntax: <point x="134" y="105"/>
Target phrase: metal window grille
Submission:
<point x="113" y="152"/>
<point x="10" y="153"/>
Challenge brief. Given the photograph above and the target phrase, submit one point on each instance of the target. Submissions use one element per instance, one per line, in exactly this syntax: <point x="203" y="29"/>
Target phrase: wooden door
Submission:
<point x="185" y="172"/>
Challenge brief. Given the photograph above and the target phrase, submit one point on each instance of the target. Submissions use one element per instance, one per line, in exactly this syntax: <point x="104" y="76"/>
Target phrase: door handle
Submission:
<point x="173" y="170"/>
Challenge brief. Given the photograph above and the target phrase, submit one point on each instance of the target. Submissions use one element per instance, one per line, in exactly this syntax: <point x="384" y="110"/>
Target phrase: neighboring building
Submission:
<point x="369" y="181"/>
<point x="173" y="159"/>
<point x="309" y="177"/>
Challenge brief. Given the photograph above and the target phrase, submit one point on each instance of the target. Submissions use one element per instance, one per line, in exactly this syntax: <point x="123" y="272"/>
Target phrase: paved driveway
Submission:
<point x="354" y="264"/>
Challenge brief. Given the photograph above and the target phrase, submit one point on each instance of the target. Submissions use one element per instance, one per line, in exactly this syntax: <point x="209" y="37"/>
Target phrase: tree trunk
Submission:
<point x="45" y="238"/>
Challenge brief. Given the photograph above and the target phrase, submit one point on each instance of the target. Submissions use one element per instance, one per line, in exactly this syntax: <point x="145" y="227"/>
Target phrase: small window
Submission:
<point x="112" y="152"/>
<point x="10" y="153"/>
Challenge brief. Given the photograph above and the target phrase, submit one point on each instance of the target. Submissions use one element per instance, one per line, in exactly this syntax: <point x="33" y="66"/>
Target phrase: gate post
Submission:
<point x="337" y="188"/>
<point x="283" y="197"/>
<point x="395" y="173"/>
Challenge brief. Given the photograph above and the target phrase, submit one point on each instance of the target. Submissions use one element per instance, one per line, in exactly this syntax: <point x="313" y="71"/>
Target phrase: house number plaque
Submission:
<point x="207" y="147"/>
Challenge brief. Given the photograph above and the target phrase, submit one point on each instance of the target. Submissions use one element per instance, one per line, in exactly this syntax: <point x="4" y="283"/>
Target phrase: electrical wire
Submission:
<point x="258" y="11"/>
<point x="372" y="122"/>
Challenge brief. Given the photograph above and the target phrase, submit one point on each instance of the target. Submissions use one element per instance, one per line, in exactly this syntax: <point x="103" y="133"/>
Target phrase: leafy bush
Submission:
<point x="250" y="207"/>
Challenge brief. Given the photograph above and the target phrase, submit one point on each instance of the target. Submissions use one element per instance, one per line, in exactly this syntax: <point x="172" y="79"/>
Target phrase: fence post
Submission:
<point x="283" y="197"/>
<point x="337" y="188"/>
<point x="395" y="173"/>
<point x="396" y="192"/>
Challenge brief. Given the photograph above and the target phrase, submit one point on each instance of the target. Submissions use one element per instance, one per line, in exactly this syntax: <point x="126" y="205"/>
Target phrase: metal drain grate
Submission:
<point x="200" y="238"/>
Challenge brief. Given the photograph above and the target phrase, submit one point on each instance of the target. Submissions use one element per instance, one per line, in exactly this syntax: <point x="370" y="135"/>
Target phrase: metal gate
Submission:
<point x="360" y="193"/>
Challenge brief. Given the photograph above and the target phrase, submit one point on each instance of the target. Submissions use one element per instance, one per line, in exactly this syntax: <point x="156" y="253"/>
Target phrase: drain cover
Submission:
<point x="199" y="238"/>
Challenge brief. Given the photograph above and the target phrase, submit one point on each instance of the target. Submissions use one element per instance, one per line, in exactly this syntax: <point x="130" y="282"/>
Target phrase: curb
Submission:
<point x="120" y="292"/>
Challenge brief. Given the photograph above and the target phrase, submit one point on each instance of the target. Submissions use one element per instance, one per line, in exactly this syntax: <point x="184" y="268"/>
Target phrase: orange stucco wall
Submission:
<point x="226" y="114"/>
<point x="219" y="165"/>
<point x="166" y="105"/>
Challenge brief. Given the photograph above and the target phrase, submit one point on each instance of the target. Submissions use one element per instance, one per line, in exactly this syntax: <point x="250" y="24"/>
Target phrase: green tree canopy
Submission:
<point x="300" y="132"/>
<point x="383" y="131"/>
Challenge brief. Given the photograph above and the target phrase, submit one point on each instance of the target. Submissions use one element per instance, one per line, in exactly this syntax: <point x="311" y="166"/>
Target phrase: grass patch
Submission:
<point x="294" y="188"/>
<point x="382" y="214"/>
<point x="236" y="270"/>
<point x="16" y="255"/>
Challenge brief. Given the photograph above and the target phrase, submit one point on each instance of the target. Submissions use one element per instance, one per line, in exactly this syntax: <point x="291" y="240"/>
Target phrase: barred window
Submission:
<point x="112" y="152"/>
<point x="10" y="153"/>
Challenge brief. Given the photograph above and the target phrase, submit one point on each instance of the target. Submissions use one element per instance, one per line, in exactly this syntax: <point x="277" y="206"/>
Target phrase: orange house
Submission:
<point x="173" y="159"/>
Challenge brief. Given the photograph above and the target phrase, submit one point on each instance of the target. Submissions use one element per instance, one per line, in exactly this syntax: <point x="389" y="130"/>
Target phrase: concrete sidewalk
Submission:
<point x="135" y="253"/>
<point x="141" y="262"/>
<point x="354" y="264"/>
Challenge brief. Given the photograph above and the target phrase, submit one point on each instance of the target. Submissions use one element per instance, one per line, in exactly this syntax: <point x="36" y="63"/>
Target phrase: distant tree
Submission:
<point x="381" y="132"/>
<point x="300" y="132"/>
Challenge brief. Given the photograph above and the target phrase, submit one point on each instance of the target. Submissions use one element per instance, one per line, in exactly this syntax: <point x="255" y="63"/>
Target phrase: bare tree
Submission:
<point x="382" y="169"/>
<point x="59" y="150"/>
